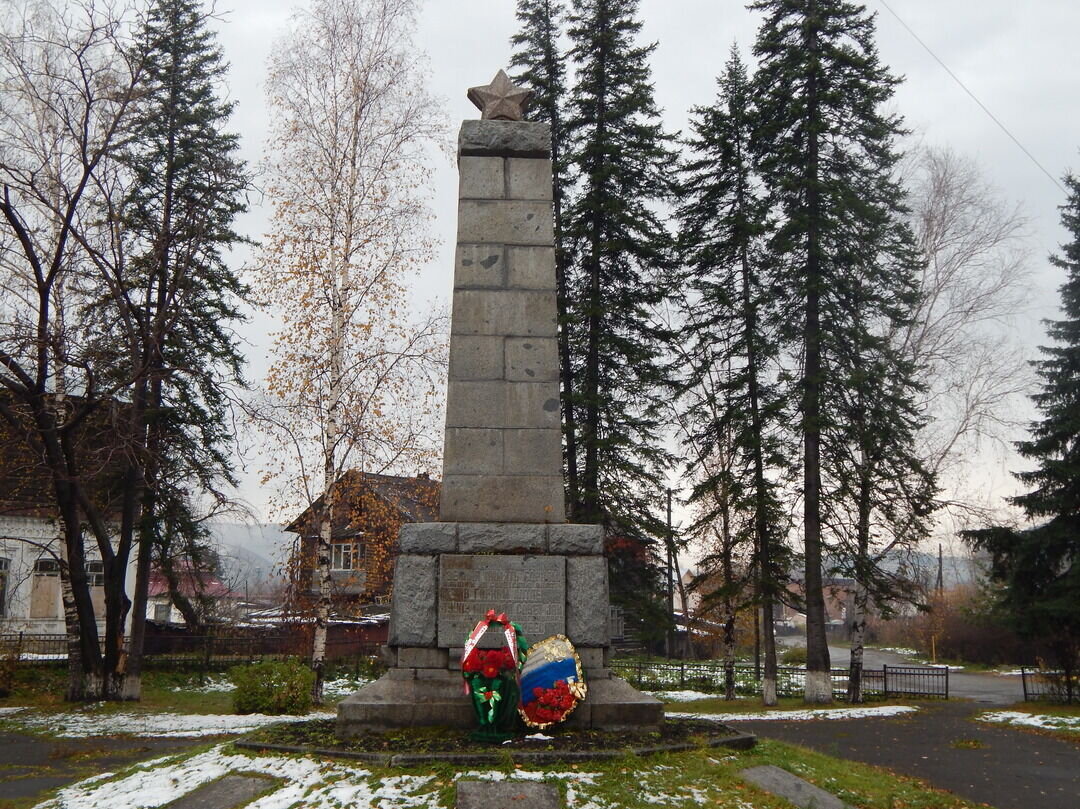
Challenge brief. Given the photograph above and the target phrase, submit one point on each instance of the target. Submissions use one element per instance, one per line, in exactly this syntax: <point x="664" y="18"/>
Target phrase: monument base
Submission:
<point x="400" y="699"/>
<point x="551" y="578"/>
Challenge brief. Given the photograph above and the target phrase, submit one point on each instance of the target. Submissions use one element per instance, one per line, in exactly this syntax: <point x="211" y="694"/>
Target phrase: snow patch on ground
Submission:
<point x="1009" y="673"/>
<point x="899" y="650"/>
<point x="332" y="689"/>
<point x="683" y="696"/>
<point x="322" y="784"/>
<point x="873" y="712"/>
<point x="342" y="687"/>
<point x="211" y="685"/>
<point x="75" y="725"/>
<point x="307" y="783"/>
<point x="1032" y="720"/>
<point x="10" y="710"/>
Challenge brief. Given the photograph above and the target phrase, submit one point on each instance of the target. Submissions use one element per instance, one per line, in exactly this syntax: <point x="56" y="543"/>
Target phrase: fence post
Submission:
<point x="885" y="680"/>
<point x="1023" y="681"/>
<point x="682" y="674"/>
<point x="946" y="681"/>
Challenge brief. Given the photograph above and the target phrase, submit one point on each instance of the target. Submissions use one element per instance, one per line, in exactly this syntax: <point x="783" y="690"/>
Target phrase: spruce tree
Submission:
<point x="728" y="356"/>
<point x="1038" y="569"/>
<point x="542" y="68"/>
<point x="622" y="257"/>
<point x="825" y="148"/>
<point x="879" y="497"/>
<point x="188" y="185"/>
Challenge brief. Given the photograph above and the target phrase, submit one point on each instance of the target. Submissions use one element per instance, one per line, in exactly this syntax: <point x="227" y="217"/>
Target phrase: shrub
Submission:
<point x="272" y="687"/>
<point x="795" y="656"/>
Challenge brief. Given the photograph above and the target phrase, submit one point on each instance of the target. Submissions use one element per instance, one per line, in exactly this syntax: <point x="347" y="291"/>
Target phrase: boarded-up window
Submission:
<point x="162" y="612"/>
<point x="45" y="589"/>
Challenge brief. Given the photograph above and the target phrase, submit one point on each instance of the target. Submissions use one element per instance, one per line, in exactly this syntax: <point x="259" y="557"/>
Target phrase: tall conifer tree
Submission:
<point x="729" y="351"/>
<point x="622" y="258"/>
<point x="825" y="148"/>
<point x="188" y="187"/>
<point x="1038" y="569"/>
<point x="542" y="68"/>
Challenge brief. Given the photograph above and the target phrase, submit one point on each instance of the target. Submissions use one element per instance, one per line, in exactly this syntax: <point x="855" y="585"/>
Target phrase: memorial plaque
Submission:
<point x="529" y="589"/>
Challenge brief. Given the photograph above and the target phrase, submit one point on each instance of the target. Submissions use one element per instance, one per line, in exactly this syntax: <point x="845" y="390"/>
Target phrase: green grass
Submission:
<point x="710" y="778"/>
<point x="706" y="777"/>
<point x="1046" y="708"/>
<point x="1071" y="734"/>
<point x="42" y="687"/>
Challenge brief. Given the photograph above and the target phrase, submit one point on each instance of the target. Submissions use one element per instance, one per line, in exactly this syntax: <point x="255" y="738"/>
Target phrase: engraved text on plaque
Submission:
<point x="529" y="589"/>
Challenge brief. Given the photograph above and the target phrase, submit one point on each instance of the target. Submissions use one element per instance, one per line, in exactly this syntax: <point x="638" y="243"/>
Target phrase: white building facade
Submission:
<point x="30" y="595"/>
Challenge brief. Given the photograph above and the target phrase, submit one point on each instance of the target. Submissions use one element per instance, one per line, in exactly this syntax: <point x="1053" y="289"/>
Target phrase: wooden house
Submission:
<point x="368" y="511"/>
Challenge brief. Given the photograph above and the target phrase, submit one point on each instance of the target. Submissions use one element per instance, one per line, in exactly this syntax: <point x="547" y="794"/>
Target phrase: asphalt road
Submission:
<point x="987" y="689"/>
<point x="942" y="744"/>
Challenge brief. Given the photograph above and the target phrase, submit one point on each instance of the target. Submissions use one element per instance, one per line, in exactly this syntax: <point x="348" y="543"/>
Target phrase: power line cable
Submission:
<point x="974" y="98"/>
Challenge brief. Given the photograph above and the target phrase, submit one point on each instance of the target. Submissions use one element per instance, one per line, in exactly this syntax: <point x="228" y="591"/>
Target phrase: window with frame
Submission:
<point x="95" y="573"/>
<point x="46" y="566"/>
<point x="344" y="556"/>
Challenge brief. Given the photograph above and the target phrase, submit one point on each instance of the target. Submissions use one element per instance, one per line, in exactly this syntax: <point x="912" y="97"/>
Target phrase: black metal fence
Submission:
<point x="195" y="653"/>
<point x="1041" y="685"/>
<point x="909" y="681"/>
<point x="709" y="676"/>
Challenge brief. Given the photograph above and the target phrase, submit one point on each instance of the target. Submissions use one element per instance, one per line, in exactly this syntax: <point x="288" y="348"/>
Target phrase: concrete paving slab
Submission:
<point x="507" y="795"/>
<point x="225" y="793"/>
<point x="780" y="782"/>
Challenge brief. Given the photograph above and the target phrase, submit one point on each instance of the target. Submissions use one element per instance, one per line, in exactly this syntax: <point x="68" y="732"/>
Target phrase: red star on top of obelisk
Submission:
<point x="502" y="100"/>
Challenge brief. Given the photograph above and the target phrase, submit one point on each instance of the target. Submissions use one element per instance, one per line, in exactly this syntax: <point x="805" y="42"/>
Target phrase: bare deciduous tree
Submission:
<point x="68" y="78"/>
<point x="353" y="382"/>
<point x="976" y="249"/>
<point x="970" y="366"/>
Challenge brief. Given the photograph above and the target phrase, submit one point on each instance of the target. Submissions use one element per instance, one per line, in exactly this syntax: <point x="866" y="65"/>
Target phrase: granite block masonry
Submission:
<point x="503" y="542"/>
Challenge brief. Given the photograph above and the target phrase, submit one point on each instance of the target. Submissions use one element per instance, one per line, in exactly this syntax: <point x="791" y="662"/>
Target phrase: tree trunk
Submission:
<point x="151" y="428"/>
<point x="590" y="508"/>
<point x="818" y="687"/>
<point x="562" y="298"/>
<point x="858" y="637"/>
<point x="863" y="565"/>
<point x="326" y="515"/>
<point x="729" y="653"/>
<point x="688" y="642"/>
<point x="74" y="692"/>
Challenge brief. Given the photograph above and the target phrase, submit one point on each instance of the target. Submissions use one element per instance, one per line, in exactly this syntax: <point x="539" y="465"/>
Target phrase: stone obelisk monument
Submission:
<point x="503" y="542"/>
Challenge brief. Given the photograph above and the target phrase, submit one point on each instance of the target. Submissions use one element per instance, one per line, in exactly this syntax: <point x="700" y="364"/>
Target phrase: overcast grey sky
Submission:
<point x="1019" y="58"/>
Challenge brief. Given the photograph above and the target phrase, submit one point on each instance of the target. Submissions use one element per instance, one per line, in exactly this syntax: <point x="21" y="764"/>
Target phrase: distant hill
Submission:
<point x="252" y="553"/>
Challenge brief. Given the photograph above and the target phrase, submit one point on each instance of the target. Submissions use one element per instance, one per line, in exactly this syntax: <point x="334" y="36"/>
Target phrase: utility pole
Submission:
<point x="670" y="582"/>
<point x="940" y="571"/>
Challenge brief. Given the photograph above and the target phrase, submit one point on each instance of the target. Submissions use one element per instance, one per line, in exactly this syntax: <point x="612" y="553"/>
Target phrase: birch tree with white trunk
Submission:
<point x="354" y="379"/>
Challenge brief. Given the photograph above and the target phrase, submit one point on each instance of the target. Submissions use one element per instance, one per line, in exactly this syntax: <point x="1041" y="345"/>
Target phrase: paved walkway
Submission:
<point x="1008" y="769"/>
<point x="30" y="765"/>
